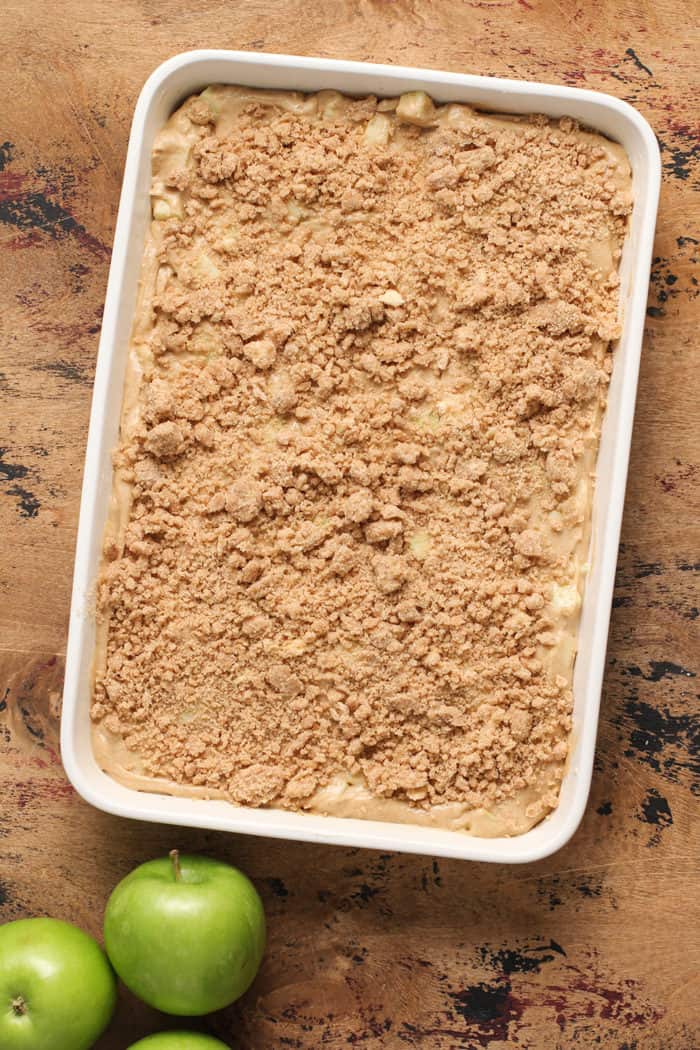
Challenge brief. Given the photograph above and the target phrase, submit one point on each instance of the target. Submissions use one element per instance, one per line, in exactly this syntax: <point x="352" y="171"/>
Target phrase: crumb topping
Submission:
<point x="374" y="352"/>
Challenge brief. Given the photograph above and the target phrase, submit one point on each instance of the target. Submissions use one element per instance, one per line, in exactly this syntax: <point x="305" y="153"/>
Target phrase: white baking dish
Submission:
<point x="164" y="90"/>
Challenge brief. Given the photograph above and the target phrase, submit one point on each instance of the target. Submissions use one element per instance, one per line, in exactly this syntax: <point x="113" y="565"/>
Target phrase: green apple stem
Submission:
<point x="19" y="1006"/>
<point x="175" y="858"/>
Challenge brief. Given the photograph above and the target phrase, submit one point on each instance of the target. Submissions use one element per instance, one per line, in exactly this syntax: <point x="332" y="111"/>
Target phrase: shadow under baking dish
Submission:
<point x="164" y="90"/>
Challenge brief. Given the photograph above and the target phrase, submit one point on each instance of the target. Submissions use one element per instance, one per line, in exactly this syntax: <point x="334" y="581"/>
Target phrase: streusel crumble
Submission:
<point x="352" y="495"/>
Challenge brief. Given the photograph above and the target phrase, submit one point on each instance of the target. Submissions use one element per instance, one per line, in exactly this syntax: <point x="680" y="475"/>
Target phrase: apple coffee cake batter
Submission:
<point x="352" y="494"/>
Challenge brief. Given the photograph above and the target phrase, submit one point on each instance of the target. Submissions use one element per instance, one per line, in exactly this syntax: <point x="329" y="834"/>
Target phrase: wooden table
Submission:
<point x="594" y="947"/>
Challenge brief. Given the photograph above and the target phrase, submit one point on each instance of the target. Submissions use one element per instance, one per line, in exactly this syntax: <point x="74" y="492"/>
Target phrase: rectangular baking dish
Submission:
<point x="162" y="93"/>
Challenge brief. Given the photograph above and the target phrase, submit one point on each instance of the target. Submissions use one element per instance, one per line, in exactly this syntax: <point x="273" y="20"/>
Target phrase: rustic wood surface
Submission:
<point x="595" y="947"/>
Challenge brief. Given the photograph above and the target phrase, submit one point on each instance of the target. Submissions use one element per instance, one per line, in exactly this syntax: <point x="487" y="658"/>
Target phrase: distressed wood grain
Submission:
<point x="595" y="947"/>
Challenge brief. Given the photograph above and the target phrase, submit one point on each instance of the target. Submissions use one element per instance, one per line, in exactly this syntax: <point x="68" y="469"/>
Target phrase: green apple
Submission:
<point x="178" y="1041"/>
<point x="57" y="990"/>
<point x="185" y="934"/>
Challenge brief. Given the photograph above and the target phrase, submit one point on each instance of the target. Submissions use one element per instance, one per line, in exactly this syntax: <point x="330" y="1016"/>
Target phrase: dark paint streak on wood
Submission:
<point x="655" y="732"/>
<point x="33" y="211"/>
<point x="490" y="1007"/>
<point x="29" y="505"/>
<point x="659" y="669"/>
<point x="684" y="472"/>
<point x="604" y="1002"/>
<point x="278" y="887"/>
<point x="638" y="62"/>
<point x="651" y="568"/>
<point x="365" y="893"/>
<point x="655" y="810"/>
<point x="553" y="897"/>
<point x="680" y="161"/>
<point x="35" y="731"/>
<point x="509" y="961"/>
<point x="60" y="181"/>
<point x="67" y="370"/>
<point x="78" y="271"/>
<point x="589" y="886"/>
<point x="6" y="154"/>
<point x="11" y="471"/>
<point x="663" y="281"/>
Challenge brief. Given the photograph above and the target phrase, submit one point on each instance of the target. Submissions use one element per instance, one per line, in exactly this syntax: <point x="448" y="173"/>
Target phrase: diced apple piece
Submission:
<point x="296" y="212"/>
<point x="457" y="113"/>
<point x="161" y="209"/>
<point x="164" y="274"/>
<point x="392" y="298"/>
<point x="420" y="543"/>
<point x="166" y="205"/>
<point x="415" y="107"/>
<point x="331" y="104"/>
<point x="294" y="101"/>
<point x="229" y="242"/>
<point x="213" y="99"/>
<point x="206" y="267"/>
<point x="378" y="130"/>
<point x="566" y="599"/>
<point x="427" y="420"/>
